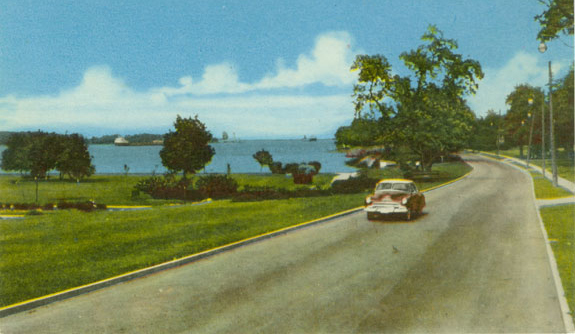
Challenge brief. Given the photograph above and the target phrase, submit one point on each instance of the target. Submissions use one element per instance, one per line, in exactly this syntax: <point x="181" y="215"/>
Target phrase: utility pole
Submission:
<point x="543" y="133"/>
<point x="552" y="125"/>
<point x="498" y="132"/>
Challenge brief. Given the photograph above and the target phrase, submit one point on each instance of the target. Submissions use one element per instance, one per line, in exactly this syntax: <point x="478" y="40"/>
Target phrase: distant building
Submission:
<point x="158" y="142"/>
<point x="121" y="141"/>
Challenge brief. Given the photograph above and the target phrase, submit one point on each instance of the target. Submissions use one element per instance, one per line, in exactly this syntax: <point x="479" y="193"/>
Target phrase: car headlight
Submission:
<point x="404" y="201"/>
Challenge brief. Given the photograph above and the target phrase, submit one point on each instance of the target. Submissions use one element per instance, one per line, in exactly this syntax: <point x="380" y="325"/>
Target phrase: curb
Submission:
<point x="565" y="312"/>
<point x="77" y="291"/>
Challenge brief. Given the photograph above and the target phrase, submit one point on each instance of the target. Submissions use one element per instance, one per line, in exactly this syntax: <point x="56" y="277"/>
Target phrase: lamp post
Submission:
<point x="529" y="115"/>
<point x="543" y="135"/>
<point x="542" y="49"/>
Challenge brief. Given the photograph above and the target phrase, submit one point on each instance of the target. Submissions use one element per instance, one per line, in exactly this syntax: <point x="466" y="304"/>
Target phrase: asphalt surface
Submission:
<point x="474" y="262"/>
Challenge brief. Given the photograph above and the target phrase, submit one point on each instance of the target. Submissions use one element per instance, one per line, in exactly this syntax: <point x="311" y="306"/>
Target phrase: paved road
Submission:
<point x="475" y="262"/>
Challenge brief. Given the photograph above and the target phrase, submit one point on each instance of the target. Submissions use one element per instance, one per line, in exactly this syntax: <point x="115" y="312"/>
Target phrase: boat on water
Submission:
<point x="121" y="141"/>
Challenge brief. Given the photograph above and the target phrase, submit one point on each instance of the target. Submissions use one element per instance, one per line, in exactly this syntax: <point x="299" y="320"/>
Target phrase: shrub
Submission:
<point x="315" y="164"/>
<point x="217" y="186"/>
<point x="276" y="168"/>
<point x="291" y="168"/>
<point x="82" y="206"/>
<point x="167" y="187"/>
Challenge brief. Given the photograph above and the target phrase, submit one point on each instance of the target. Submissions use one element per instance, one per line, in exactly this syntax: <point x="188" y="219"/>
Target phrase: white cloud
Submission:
<point x="328" y="64"/>
<point x="104" y="101"/>
<point x="500" y="82"/>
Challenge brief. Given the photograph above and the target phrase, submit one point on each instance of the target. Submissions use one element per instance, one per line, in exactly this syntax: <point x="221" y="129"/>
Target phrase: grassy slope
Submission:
<point x="86" y="247"/>
<point x="560" y="226"/>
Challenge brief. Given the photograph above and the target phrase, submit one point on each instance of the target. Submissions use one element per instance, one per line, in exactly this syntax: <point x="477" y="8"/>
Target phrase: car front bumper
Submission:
<point x="382" y="208"/>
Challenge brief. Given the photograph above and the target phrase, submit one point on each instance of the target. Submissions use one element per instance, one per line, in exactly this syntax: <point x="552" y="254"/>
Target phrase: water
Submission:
<point x="110" y="159"/>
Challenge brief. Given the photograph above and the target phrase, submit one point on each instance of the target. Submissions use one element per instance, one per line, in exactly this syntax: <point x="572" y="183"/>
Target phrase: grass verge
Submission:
<point x="565" y="166"/>
<point x="57" y="251"/>
<point x="544" y="189"/>
<point x="559" y="223"/>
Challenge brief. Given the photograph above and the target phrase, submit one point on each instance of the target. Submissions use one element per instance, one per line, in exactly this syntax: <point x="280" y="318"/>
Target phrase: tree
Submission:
<point x="485" y="132"/>
<point x="264" y="158"/>
<point x="39" y="152"/>
<point x="564" y="112"/>
<point x="15" y="156"/>
<point x="225" y="136"/>
<point x="363" y="131"/>
<point x="74" y="158"/>
<point x="428" y="115"/>
<point x="187" y="149"/>
<point x="558" y="18"/>
<point x="521" y="114"/>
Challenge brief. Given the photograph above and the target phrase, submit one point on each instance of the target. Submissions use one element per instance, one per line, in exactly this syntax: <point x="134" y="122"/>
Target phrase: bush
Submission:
<point x="291" y="168"/>
<point x="217" y="186"/>
<point x="167" y="187"/>
<point x="316" y="165"/>
<point x="276" y="168"/>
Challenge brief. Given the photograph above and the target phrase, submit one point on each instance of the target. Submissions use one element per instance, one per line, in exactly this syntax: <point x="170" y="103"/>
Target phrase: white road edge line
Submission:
<point x="565" y="313"/>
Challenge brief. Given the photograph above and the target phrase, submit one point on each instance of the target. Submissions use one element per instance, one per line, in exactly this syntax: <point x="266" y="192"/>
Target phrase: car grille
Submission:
<point x="385" y="204"/>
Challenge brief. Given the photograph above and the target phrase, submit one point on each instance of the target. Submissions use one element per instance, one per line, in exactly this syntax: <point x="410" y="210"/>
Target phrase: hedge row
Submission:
<point x="223" y="186"/>
<point x="82" y="206"/>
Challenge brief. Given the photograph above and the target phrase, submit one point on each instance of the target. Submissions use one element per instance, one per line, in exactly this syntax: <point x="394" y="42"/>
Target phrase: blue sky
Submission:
<point x="266" y="69"/>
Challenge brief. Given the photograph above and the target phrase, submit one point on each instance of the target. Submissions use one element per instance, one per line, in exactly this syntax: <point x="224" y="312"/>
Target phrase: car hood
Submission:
<point x="389" y="195"/>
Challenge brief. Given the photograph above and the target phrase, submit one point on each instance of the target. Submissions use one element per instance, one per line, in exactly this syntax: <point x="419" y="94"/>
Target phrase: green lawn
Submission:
<point x="63" y="249"/>
<point x="560" y="226"/>
<point x="320" y="181"/>
<point x="117" y="189"/>
<point x="56" y="251"/>
<point x="544" y="189"/>
<point x="565" y="166"/>
<point x="105" y="189"/>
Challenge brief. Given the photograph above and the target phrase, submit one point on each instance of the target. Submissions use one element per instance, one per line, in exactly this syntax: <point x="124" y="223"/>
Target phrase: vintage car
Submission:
<point x="394" y="196"/>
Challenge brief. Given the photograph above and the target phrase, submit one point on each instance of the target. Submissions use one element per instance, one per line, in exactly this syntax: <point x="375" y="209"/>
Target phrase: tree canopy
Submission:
<point x="187" y="148"/>
<point x="426" y="112"/>
<point x="39" y="152"/>
<point x="264" y="158"/>
<point x="556" y="20"/>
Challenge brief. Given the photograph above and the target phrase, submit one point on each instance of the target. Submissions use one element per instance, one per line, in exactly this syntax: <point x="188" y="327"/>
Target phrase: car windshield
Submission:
<point x="394" y="186"/>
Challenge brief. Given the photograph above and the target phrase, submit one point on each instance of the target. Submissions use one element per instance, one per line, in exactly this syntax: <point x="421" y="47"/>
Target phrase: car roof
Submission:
<point x="395" y="181"/>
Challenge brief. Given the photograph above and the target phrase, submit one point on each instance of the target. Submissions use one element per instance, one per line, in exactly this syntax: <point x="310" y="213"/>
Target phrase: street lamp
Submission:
<point x="542" y="49"/>
<point x="530" y="101"/>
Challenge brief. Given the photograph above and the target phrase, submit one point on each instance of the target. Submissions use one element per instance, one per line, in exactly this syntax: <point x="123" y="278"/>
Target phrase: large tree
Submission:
<point x="426" y="113"/>
<point x="39" y="152"/>
<point x="555" y="20"/>
<point x="486" y="132"/>
<point x="564" y="112"/>
<point x="74" y="158"/>
<point x="523" y="115"/>
<point x="187" y="148"/>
